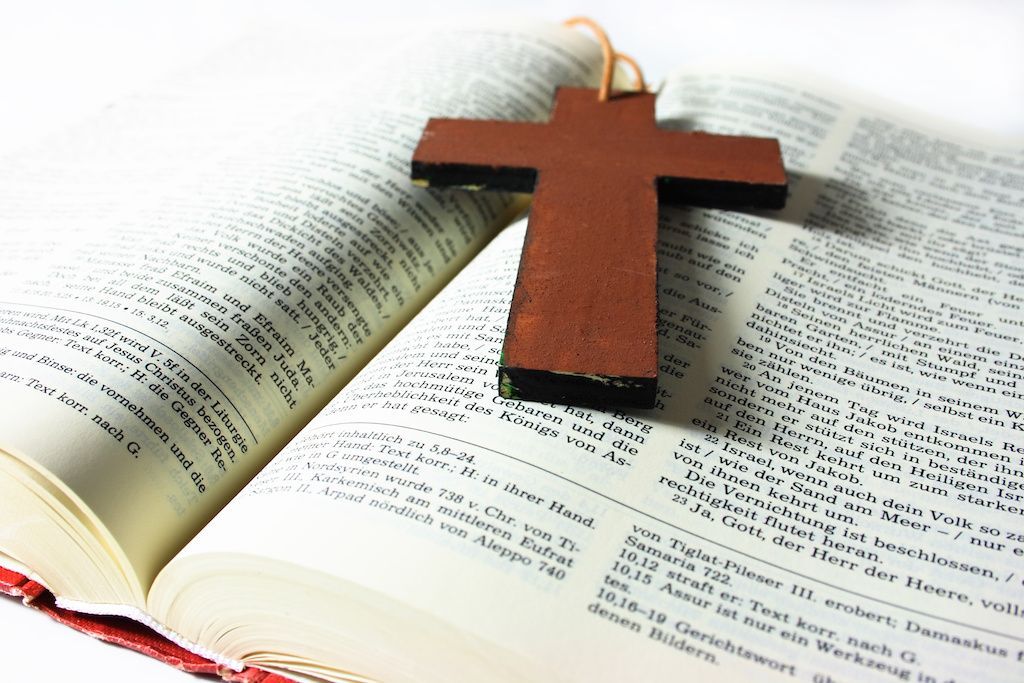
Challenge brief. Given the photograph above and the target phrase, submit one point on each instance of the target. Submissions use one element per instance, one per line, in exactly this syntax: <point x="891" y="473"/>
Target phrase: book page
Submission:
<point x="194" y="273"/>
<point x="830" y="487"/>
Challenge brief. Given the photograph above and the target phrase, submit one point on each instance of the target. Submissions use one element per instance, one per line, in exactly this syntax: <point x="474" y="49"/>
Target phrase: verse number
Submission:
<point x="638" y="559"/>
<point x="632" y="573"/>
<point x="149" y="317"/>
<point x="458" y="455"/>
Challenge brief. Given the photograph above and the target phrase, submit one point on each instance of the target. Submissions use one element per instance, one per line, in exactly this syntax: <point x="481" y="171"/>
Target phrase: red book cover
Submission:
<point x="126" y="633"/>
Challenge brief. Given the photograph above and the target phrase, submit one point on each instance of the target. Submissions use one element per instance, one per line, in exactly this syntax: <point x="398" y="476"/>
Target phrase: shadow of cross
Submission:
<point x="582" y="328"/>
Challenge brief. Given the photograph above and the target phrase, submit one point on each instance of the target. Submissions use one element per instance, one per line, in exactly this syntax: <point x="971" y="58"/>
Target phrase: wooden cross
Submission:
<point x="582" y="327"/>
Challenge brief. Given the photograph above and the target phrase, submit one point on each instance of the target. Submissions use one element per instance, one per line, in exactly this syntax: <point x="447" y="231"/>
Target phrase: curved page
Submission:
<point x="830" y="485"/>
<point x="193" y="274"/>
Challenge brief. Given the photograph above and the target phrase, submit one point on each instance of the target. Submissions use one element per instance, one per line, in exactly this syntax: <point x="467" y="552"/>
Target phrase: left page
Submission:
<point x="196" y="271"/>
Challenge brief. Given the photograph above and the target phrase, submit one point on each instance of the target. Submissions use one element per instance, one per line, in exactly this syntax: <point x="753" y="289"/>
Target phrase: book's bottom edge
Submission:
<point x="80" y="608"/>
<point x="131" y="628"/>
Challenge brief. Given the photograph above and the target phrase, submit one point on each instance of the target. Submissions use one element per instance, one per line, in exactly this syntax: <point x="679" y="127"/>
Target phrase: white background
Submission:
<point x="962" y="61"/>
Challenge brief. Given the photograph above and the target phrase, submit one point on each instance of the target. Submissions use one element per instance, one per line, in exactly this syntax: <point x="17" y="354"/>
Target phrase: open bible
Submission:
<point x="247" y="377"/>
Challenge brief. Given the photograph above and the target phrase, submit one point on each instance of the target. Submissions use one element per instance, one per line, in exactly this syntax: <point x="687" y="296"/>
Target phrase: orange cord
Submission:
<point x="610" y="56"/>
<point x="638" y="75"/>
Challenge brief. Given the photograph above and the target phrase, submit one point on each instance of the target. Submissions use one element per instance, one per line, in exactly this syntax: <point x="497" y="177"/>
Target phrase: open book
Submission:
<point x="247" y="377"/>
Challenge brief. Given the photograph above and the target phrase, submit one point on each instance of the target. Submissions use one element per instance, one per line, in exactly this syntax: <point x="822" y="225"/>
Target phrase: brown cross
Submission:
<point x="582" y="327"/>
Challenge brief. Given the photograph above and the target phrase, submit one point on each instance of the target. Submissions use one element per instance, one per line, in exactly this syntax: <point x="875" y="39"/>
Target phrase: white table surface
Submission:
<point x="963" y="61"/>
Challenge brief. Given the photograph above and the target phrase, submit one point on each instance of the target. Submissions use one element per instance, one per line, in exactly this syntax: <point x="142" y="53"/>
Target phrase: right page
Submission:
<point x="830" y="488"/>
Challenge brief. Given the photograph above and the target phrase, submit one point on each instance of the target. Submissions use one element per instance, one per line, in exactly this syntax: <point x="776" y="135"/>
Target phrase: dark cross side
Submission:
<point x="582" y="328"/>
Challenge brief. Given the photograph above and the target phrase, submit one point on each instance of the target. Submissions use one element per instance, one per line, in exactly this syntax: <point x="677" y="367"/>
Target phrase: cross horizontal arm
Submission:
<point x="479" y="155"/>
<point x="721" y="171"/>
